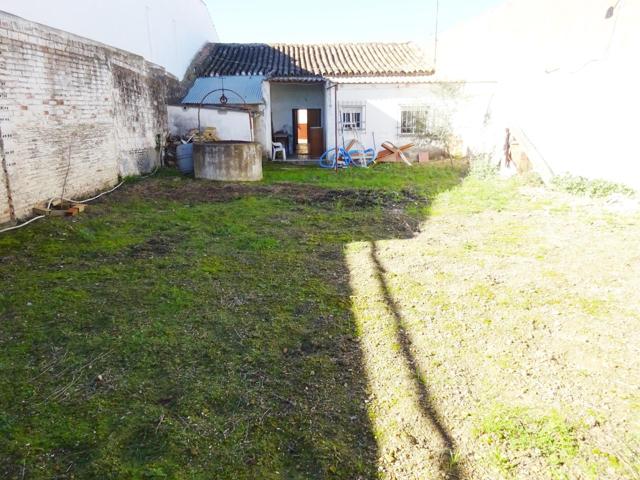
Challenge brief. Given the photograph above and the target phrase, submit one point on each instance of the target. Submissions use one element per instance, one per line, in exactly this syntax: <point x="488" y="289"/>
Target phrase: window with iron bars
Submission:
<point x="352" y="117"/>
<point x="414" y="120"/>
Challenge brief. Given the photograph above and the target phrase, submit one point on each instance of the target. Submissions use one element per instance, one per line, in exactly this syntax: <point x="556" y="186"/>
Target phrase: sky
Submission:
<point x="324" y="21"/>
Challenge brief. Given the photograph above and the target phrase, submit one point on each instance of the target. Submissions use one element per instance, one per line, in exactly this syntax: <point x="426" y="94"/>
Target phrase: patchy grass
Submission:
<point x="497" y="335"/>
<point x="300" y="328"/>
<point x="516" y="429"/>
<point x="385" y="176"/>
<point x="163" y="336"/>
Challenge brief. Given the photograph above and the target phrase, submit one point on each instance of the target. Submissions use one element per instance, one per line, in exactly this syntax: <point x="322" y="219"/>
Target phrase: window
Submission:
<point x="352" y="117"/>
<point x="413" y="120"/>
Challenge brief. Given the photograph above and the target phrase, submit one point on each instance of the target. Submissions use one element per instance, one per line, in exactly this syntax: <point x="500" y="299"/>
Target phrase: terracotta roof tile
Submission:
<point x="313" y="60"/>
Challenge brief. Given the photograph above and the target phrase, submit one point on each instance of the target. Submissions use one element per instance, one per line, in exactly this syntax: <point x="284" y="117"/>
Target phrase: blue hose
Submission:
<point x="326" y="161"/>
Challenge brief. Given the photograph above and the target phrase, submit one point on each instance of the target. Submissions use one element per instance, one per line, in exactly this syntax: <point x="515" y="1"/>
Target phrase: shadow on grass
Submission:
<point x="232" y="347"/>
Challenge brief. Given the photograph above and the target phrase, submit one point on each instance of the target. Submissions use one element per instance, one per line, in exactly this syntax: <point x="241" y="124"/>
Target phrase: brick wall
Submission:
<point x="71" y="107"/>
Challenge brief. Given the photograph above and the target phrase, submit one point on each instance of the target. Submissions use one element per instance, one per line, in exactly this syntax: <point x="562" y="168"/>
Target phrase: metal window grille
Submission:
<point x="413" y="120"/>
<point x="352" y="117"/>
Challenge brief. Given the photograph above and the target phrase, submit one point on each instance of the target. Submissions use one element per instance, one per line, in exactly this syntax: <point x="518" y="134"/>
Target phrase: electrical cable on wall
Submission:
<point x="611" y="11"/>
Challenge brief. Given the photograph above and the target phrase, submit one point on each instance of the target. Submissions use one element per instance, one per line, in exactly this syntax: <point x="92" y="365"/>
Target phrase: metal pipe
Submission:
<point x="335" y="117"/>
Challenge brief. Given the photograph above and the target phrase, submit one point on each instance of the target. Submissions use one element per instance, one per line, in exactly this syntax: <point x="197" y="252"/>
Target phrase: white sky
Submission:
<point x="338" y="20"/>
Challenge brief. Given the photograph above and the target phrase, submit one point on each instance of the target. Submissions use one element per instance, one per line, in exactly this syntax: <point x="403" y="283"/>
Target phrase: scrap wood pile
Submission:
<point x="59" y="207"/>
<point x="208" y="134"/>
<point x="391" y="153"/>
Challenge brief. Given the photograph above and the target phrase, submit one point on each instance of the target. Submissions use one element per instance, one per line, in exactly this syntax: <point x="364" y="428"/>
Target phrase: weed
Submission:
<point x="482" y="167"/>
<point x="578" y="185"/>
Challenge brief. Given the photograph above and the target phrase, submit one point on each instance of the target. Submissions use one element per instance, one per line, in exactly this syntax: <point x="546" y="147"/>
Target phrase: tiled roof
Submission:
<point x="317" y="60"/>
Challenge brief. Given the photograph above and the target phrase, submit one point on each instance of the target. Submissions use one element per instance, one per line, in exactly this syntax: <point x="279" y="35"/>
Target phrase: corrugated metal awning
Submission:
<point x="248" y="87"/>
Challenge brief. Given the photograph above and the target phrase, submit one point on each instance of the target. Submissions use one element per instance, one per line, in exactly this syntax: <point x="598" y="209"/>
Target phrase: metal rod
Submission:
<point x="66" y="175"/>
<point x="214" y="91"/>
<point x="7" y="182"/>
<point x="335" y="117"/>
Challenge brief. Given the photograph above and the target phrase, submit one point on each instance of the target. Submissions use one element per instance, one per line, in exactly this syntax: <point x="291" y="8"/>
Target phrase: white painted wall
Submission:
<point x="230" y="125"/>
<point x="267" y="134"/>
<point x="568" y="80"/>
<point x="465" y="105"/>
<point x="166" y="32"/>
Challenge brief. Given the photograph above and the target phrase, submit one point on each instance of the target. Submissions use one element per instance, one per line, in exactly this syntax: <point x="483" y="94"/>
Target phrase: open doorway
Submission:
<point x="308" y="138"/>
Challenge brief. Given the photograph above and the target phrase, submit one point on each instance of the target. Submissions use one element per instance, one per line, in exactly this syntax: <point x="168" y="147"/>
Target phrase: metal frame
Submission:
<point x="223" y="101"/>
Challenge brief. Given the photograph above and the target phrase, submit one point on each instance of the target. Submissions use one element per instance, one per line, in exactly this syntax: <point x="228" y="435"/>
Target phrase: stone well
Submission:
<point x="230" y="161"/>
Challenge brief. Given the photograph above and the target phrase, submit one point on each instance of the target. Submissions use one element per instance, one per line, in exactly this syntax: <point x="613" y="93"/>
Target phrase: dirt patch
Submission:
<point x="522" y="344"/>
<point x="201" y="191"/>
<point x="152" y="248"/>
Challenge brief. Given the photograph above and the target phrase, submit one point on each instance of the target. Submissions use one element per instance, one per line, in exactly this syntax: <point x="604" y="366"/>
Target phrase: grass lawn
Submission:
<point x="392" y="323"/>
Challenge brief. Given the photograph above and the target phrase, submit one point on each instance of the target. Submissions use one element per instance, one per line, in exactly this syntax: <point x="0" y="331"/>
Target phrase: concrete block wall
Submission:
<point x="71" y="107"/>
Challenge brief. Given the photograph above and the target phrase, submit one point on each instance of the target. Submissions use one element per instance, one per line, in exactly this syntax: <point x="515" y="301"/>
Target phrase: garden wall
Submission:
<point x="72" y="108"/>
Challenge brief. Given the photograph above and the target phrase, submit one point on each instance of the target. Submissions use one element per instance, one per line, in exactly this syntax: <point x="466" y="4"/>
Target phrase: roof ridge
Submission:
<point x="316" y="59"/>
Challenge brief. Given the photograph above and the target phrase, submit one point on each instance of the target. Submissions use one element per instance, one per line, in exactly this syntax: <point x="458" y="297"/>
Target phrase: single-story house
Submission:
<point x="288" y="93"/>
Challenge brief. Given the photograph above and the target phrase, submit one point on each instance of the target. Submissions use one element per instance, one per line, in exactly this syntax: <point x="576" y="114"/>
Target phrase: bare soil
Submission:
<point x="506" y="340"/>
<point x="206" y="191"/>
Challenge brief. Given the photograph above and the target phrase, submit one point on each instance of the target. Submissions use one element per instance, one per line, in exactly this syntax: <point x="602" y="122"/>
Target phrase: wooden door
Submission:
<point x="295" y="129"/>
<point x="316" y="134"/>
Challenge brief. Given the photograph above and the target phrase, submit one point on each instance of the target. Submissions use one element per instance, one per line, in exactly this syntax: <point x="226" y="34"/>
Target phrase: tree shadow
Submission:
<point x="448" y="461"/>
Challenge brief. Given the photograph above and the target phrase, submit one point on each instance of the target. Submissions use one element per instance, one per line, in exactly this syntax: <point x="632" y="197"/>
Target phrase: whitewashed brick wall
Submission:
<point x="66" y="99"/>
